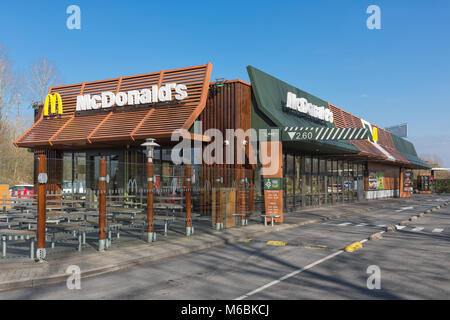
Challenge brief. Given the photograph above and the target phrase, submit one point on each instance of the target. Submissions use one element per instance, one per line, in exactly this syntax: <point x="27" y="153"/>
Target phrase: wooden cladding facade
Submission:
<point x="116" y="125"/>
<point x="228" y="107"/>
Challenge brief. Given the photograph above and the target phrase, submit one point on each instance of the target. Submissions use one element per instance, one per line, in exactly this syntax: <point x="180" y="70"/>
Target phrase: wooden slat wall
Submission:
<point x="227" y="107"/>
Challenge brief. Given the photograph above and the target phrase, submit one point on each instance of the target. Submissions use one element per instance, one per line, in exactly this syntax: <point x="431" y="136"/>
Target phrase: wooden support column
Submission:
<point x="188" y="184"/>
<point x="151" y="235"/>
<point x="42" y="210"/>
<point x="102" y="206"/>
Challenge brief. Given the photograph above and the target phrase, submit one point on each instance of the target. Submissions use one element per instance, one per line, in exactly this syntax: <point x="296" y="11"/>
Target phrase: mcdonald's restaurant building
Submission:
<point x="80" y="123"/>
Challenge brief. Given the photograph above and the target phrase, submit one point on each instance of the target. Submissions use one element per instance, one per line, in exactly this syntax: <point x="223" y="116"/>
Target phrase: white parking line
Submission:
<point x="289" y="275"/>
<point x="404" y="208"/>
<point x="417" y="229"/>
<point x="438" y="230"/>
<point x="344" y="224"/>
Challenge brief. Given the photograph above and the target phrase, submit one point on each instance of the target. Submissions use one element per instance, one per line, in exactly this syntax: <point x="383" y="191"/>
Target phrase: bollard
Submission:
<point x="102" y="206"/>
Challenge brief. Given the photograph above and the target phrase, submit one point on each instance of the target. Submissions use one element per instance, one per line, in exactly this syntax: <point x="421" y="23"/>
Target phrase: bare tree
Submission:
<point x="42" y="75"/>
<point x="9" y="86"/>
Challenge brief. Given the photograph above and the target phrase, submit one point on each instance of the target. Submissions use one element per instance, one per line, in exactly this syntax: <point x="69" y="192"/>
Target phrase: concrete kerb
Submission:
<point x="390" y="228"/>
<point x="376" y="236"/>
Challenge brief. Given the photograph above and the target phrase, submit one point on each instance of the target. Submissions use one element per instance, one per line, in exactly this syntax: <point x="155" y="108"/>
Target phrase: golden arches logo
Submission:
<point x="50" y="101"/>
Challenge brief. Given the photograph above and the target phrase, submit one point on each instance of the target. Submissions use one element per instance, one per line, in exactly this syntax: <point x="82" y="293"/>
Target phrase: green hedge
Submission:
<point x="442" y="186"/>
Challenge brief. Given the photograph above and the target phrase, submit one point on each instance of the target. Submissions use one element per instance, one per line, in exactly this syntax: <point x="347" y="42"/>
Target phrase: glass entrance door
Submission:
<point x="115" y="182"/>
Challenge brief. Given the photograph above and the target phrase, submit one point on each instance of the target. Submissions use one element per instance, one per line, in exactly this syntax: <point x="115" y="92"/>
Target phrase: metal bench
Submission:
<point x="269" y="216"/>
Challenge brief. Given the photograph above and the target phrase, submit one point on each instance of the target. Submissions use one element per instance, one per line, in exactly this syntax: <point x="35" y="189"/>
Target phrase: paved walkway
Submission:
<point x="29" y="273"/>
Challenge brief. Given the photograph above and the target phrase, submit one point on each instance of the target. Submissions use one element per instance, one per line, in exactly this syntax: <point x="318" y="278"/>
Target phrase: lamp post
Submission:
<point x="150" y="145"/>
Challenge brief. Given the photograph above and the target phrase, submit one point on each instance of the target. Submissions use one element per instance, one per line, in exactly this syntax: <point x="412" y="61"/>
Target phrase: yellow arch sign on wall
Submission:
<point x="50" y="101"/>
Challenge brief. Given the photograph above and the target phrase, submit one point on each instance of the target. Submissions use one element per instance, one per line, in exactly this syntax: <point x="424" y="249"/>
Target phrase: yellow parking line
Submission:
<point x="353" y="247"/>
<point x="276" y="243"/>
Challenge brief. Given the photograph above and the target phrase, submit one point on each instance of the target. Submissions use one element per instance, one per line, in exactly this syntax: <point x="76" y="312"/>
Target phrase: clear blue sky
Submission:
<point x="398" y="74"/>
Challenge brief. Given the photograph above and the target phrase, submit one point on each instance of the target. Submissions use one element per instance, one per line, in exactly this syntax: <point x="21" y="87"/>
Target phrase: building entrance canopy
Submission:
<point x="146" y="105"/>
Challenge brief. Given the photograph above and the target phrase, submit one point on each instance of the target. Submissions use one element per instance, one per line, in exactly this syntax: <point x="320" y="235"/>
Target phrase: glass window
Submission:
<point x="322" y="166"/>
<point x="315" y="184"/>
<point x="307" y="183"/>
<point x="350" y="169"/>
<point x="157" y="154"/>
<point x="315" y="163"/>
<point x="340" y="167"/>
<point x="290" y="172"/>
<point x="307" y="165"/>
<point x="167" y="154"/>
<point x="290" y="165"/>
<point x="298" y="180"/>
<point x="330" y="166"/>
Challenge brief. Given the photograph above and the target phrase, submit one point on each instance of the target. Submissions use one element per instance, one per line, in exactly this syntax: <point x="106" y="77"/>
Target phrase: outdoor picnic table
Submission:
<point x="27" y="221"/>
<point x="119" y="196"/>
<point x="94" y="213"/>
<point x="120" y="203"/>
<point x="31" y="222"/>
<point x="64" y="215"/>
<point x="78" y="230"/>
<point x="169" y="197"/>
<point x="120" y="210"/>
<point x="7" y="234"/>
<point x="72" y="203"/>
<point x="142" y="218"/>
<point x="65" y="201"/>
<point x="168" y="205"/>
<point x="9" y="224"/>
<point x="110" y="226"/>
<point x="22" y="207"/>
<point x="20" y="215"/>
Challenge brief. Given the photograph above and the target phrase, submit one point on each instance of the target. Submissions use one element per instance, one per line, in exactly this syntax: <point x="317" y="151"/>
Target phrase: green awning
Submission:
<point x="407" y="149"/>
<point x="268" y="111"/>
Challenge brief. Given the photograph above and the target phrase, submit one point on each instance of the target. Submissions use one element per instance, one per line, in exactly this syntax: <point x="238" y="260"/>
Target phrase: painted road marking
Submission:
<point x="344" y="224"/>
<point x="276" y="243"/>
<point x="289" y="275"/>
<point x="417" y="229"/>
<point x="438" y="230"/>
<point x="404" y="208"/>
